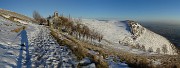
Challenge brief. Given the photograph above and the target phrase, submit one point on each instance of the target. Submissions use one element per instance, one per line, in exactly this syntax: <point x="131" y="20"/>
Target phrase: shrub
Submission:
<point x="79" y="49"/>
<point x="150" y="49"/>
<point x="17" y="29"/>
<point x="164" y="49"/>
<point x="143" y="48"/>
<point x="158" y="50"/>
<point x="36" y="16"/>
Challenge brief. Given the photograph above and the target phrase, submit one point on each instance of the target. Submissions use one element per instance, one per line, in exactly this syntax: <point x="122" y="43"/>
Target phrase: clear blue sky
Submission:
<point x="107" y="9"/>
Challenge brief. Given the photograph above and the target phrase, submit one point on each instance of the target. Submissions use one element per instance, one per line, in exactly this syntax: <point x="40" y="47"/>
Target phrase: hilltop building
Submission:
<point x="54" y="21"/>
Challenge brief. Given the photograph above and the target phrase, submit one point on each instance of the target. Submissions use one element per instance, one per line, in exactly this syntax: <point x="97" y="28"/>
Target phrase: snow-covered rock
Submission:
<point x="20" y="21"/>
<point x="92" y="65"/>
<point x="115" y="64"/>
<point x="150" y="40"/>
<point x="85" y="61"/>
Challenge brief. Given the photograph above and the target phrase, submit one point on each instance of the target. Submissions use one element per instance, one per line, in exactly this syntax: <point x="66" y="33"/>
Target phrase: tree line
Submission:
<point x="73" y="28"/>
<point x="80" y="31"/>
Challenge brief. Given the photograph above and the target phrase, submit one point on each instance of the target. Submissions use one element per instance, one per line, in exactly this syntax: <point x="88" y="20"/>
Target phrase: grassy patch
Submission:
<point x="17" y="29"/>
<point x="79" y="49"/>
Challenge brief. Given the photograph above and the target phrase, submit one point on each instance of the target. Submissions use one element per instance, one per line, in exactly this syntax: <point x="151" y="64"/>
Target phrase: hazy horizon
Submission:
<point x="139" y="10"/>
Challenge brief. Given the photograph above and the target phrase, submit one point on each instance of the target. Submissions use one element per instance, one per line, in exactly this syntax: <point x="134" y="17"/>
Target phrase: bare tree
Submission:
<point x="73" y="30"/>
<point x="138" y="46"/>
<point x="143" y="48"/>
<point x="57" y="22"/>
<point x="36" y="16"/>
<point x="91" y="35"/>
<point x="79" y="30"/>
<point x="69" y="27"/>
<point x="85" y="32"/>
<point x="150" y="49"/>
<point x="164" y="49"/>
<point x="100" y="37"/>
<point x="158" y="50"/>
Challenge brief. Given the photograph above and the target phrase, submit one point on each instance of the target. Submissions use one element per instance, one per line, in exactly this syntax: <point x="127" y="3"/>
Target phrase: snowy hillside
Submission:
<point x="43" y="50"/>
<point x="9" y="46"/>
<point x="8" y="14"/>
<point x="135" y="37"/>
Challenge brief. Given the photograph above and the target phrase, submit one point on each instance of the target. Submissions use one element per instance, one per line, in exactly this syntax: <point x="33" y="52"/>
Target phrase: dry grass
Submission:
<point x="17" y="15"/>
<point x="81" y="50"/>
<point x="168" y="61"/>
<point x="11" y="19"/>
<point x="18" y="24"/>
<point x="17" y="29"/>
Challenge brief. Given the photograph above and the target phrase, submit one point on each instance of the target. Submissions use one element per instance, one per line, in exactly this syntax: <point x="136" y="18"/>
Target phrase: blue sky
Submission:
<point x="102" y="9"/>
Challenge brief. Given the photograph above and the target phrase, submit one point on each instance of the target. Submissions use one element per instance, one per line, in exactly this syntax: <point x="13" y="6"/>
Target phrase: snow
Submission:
<point x="93" y="52"/>
<point x="9" y="51"/>
<point x="50" y="54"/>
<point x="118" y="33"/>
<point x="110" y="29"/>
<point x="90" y="66"/>
<point x="43" y="49"/>
<point x="6" y="16"/>
<point x="117" y="64"/>
<point x="109" y="60"/>
<point x="85" y="61"/>
<point x="20" y="21"/>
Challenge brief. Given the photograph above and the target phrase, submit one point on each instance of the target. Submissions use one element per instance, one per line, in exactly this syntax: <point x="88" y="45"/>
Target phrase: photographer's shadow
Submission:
<point x="20" y="58"/>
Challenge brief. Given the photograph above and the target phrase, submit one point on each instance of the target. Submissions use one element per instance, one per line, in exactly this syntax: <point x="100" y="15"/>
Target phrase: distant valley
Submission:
<point x="169" y="30"/>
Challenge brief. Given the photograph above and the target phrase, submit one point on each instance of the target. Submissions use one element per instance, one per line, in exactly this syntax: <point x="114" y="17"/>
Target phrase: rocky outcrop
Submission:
<point x="136" y="29"/>
<point x="149" y="41"/>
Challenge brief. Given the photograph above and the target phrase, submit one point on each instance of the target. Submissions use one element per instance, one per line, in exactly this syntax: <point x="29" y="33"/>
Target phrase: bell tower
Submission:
<point x="56" y="14"/>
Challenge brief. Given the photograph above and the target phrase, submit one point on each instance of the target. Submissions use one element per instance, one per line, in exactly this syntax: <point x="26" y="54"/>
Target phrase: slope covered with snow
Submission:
<point x="9" y="44"/>
<point x="9" y="14"/>
<point x="133" y="35"/>
<point x="43" y="50"/>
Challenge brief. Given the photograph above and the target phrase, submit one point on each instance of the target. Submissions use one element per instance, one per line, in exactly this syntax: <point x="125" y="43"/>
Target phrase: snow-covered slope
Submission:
<point x="8" y="13"/>
<point x="132" y="34"/>
<point x="43" y="50"/>
<point x="9" y="46"/>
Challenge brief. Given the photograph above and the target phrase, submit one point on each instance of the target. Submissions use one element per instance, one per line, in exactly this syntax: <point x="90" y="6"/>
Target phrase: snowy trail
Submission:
<point x="46" y="52"/>
<point x="43" y="50"/>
